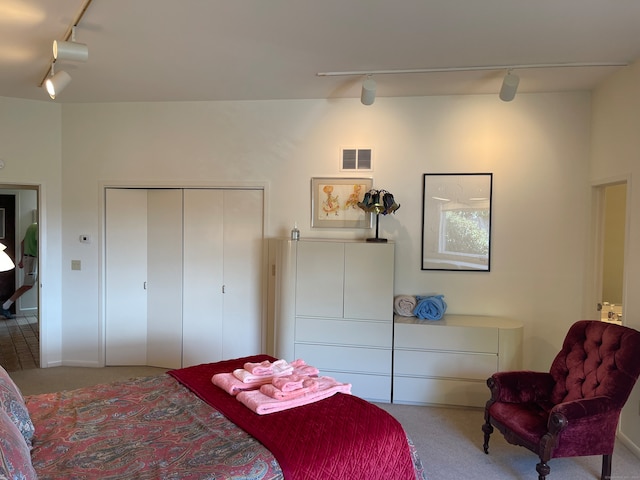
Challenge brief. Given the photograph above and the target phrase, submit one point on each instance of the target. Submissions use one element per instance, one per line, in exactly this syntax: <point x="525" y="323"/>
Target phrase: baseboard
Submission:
<point x="79" y="363"/>
<point x="626" y="441"/>
<point x="57" y="363"/>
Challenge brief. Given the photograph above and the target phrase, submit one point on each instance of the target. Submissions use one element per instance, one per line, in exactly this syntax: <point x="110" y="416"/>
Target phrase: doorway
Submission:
<point x="611" y="235"/>
<point x="20" y="335"/>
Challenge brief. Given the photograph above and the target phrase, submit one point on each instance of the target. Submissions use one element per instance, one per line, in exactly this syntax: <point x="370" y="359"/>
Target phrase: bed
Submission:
<point x="180" y="425"/>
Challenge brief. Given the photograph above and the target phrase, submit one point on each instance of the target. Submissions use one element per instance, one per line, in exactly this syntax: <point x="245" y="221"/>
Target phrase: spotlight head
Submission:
<point x="77" y="52"/>
<point x="56" y="83"/>
<point x="368" y="95"/>
<point x="509" y="87"/>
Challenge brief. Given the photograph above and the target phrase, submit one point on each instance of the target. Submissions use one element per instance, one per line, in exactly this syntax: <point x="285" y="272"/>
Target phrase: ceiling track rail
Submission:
<point x="67" y="36"/>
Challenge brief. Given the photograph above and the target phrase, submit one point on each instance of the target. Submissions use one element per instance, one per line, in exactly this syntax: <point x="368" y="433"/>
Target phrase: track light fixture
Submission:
<point x="509" y="86"/>
<point x="77" y="52"/>
<point x="56" y="82"/>
<point x="368" y="95"/>
<point x="509" y="83"/>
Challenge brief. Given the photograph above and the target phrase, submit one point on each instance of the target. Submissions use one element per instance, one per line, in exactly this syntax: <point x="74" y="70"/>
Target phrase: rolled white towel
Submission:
<point x="404" y="305"/>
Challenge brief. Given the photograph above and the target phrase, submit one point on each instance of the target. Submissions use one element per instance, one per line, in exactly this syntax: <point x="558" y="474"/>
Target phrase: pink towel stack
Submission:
<point x="252" y="376"/>
<point x="285" y="380"/>
<point x="263" y="372"/>
<point x="290" y="386"/>
<point x="321" y="388"/>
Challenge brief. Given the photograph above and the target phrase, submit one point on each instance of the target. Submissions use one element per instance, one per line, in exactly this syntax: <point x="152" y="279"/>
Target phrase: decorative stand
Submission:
<point x="378" y="202"/>
<point x="377" y="238"/>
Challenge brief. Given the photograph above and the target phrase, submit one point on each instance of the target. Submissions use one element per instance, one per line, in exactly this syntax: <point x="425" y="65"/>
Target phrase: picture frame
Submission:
<point x="456" y="221"/>
<point x="334" y="202"/>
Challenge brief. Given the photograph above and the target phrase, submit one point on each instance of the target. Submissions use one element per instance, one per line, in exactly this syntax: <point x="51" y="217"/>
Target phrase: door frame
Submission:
<point x="104" y="185"/>
<point x="596" y="251"/>
<point x="42" y="239"/>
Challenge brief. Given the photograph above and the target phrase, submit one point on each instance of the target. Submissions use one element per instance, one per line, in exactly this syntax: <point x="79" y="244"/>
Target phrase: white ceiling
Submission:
<point x="181" y="50"/>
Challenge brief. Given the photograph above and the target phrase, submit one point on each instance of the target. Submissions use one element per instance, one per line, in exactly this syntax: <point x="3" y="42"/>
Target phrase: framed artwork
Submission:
<point x="334" y="202"/>
<point x="456" y="221"/>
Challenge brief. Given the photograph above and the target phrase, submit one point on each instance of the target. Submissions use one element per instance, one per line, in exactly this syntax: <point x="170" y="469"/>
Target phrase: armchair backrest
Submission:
<point x="597" y="359"/>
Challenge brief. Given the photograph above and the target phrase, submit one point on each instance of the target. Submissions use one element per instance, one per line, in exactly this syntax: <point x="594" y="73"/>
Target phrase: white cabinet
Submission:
<point x="184" y="275"/>
<point x="333" y="308"/>
<point x="448" y="361"/>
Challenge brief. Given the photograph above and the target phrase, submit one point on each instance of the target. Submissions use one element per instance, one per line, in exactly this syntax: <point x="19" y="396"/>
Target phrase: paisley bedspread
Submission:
<point x="146" y="428"/>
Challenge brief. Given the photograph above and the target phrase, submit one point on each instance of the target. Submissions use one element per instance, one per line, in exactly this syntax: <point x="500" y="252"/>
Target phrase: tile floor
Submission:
<point x="19" y="343"/>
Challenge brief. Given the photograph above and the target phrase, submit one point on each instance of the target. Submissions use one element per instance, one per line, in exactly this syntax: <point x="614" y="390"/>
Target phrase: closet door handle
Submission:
<point x="223" y="289"/>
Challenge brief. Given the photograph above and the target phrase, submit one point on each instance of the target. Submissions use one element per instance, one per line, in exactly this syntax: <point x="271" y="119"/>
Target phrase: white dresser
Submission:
<point x="448" y="361"/>
<point x="333" y="308"/>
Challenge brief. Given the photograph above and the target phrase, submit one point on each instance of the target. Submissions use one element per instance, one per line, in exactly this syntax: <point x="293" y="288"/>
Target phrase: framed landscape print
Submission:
<point x="456" y="221"/>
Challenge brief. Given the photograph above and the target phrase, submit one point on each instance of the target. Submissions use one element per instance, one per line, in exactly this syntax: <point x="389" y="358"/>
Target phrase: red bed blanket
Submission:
<point x="342" y="437"/>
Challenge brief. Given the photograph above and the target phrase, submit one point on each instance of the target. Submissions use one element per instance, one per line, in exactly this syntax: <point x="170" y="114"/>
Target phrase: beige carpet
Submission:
<point x="448" y="440"/>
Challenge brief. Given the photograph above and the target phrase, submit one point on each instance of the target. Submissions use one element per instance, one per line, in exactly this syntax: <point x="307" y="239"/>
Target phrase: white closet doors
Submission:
<point x="164" y="277"/>
<point x="126" y="276"/>
<point x="203" y="264"/>
<point x="202" y="329"/>
<point x="222" y="274"/>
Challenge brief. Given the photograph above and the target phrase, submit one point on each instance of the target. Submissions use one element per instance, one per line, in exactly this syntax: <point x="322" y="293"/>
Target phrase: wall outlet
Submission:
<point x="76" y="265"/>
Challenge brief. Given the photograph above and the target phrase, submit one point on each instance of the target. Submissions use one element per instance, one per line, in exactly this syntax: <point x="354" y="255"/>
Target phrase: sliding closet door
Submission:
<point x="203" y="281"/>
<point x="243" y="250"/>
<point x="164" y="278"/>
<point x="223" y="238"/>
<point x="126" y="274"/>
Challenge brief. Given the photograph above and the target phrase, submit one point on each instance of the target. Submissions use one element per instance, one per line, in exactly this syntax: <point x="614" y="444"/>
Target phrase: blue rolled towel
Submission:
<point x="431" y="307"/>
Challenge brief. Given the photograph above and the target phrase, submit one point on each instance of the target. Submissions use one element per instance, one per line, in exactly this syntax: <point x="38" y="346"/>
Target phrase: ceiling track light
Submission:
<point x="368" y="94"/>
<point x="64" y="50"/>
<point x="509" y="83"/>
<point x="509" y="86"/>
<point x="56" y="82"/>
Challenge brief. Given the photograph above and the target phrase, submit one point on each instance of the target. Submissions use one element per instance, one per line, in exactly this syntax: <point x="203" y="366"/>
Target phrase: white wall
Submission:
<point x="30" y="145"/>
<point x="616" y="154"/>
<point x="536" y="146"/>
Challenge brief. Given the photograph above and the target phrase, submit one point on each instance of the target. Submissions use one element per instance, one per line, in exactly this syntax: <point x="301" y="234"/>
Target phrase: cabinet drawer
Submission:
<point x="425" y="391"/>
<point x="375" y="388"/>
<point x="475" y="366"/>
<point x="345" y="332"/>
<point x="441" y="337"/>
<point x="345" y="359"/>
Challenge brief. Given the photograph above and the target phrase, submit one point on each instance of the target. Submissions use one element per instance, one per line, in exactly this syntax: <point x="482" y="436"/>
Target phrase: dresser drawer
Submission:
<point x="344" y="332"/>
<point x="427" y="391"/>
<point x="345" y="359"/>
<point x="474" y="366"/>
<point x="442" y="337"/>
<point x="375" y="388"/>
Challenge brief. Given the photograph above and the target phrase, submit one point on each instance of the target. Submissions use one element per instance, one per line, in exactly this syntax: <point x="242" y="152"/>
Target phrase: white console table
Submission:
<point x="448" y="361"/>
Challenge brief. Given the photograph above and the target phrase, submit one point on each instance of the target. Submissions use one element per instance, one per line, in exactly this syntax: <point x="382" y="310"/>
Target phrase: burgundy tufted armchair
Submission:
<point x="573" y="410"/>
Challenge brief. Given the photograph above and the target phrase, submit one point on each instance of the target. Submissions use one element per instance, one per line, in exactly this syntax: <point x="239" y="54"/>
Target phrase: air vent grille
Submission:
<point x="356" y="159"/>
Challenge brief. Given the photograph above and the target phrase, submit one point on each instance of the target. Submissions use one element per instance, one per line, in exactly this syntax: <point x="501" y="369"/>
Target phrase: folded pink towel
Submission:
<point x="306" y="386"/>
<point x="278" y="368"/>
<point x="301" y="368"/>
<point x="230" y="384"/>
<point x="287" y="383"/>
<point x="263" y="368"/>
<point x="263" y="404"/>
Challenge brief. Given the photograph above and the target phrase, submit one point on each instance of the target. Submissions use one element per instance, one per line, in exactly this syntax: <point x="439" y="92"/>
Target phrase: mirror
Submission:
<point x="456" y="221"/>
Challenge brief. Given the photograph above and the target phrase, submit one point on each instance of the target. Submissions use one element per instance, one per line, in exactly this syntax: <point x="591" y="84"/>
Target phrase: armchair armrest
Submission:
<point x="585" y="409"/>
<point x="520" y="386"/>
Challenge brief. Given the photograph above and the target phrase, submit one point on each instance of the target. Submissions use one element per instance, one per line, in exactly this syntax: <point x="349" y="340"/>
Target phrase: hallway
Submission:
<point x="19" y="343"/>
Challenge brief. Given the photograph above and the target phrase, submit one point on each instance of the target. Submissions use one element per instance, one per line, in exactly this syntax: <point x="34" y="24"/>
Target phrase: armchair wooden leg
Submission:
<point x="543" y="470"/>
<point x="606" y="467"/>
<point x="487" y="428"/>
